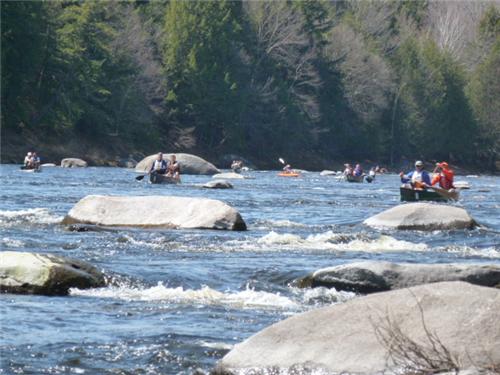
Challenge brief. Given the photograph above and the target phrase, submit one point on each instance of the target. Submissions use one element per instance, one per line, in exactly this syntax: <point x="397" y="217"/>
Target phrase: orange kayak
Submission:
<point x="289" y="174"/>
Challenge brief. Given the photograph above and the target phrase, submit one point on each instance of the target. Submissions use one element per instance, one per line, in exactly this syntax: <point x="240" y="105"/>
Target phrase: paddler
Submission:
<point x="418" y="179"/>
<point x="159" y="165"/>
<point x="443" y="175"/>
<point x="27" y="159"/>
<point x="173" y="168"/>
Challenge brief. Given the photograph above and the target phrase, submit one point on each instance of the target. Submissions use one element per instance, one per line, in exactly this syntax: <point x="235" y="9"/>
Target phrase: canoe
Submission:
<point x="351" y="178"/>
<point x="411" y="195"/>
<point x="289" y="174"/>
<point x="162" y="179"/>
<point x="31" y="170"/>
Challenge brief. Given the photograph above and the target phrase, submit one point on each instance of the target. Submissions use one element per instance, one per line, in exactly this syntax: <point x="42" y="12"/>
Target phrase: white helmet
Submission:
<point x="29" y="153"/>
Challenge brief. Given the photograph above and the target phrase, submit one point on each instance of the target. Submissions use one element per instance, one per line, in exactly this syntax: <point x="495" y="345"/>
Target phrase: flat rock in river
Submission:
<point x="328" y="173"/>
<point x="190" y="164"/>
<point x="155" y="211"/>
<point x="371" y="277"/>
<point x="73" y="163"/>
<point x="349" y="337"/>
<point x="32" y="273"/>
<point x="422" y="216"/>
<point x="218" y="184"/>
<point x="228" y="175"/>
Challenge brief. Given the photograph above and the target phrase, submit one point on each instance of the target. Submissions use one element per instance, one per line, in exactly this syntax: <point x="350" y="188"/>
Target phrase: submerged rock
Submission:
<point x="73" y="163"/>
<point x="190" y="164"/>
<point x="371" y="277"/>
<point x="33" y="273"/>
<point x="328" y="173"/>
<point x="155" y="211"/>
<point x="349" y="337"/>
<point x="422" y="216"/>
<point x="228" y="175"/>
<point x="218" y="184"/>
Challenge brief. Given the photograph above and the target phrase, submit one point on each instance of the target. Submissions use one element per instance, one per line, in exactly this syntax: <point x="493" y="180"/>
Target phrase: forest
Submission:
<point x="312" y="81"/>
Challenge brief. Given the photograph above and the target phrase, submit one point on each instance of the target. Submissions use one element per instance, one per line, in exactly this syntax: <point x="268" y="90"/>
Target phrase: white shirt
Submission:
<point x="416" y="176"/>
<point x="157" y="165"/>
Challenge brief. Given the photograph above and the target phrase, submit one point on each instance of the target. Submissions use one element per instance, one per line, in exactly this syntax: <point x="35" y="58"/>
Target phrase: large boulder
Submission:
<point x="155" y="211"/>
<point x="190" y="164"/>
<point x="32" y="273"/>
<point x="73" y="163"/>
<point x="371" y="277"/>
<point x="422" y="216"/>
<point x="228" y="175"/>
<point x="218" y="184"/>
<point x="381" y="332"/>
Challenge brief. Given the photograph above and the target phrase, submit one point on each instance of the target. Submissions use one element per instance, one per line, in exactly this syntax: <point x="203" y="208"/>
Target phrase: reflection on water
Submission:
<point x="180" y="299"/>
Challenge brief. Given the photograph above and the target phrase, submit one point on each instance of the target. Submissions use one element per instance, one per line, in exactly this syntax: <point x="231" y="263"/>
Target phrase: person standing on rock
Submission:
<point x="159" y="165"/>
<point x="174" y="168"/>
<point x="418" y="179"/>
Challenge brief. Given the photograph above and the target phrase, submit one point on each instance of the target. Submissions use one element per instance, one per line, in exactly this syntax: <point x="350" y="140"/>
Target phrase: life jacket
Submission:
<point x="163" y="165"/>
<point x="445" y="179"/>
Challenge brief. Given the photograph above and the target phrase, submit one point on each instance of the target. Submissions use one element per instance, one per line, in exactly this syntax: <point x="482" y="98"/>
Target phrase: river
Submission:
<point x="178" y="300"/>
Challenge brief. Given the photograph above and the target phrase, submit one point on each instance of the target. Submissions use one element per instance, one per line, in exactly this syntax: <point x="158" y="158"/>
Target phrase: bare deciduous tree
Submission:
<point x="454" y="24"/>
<point x="136" y="43"/>
<point x="280" y="32"/>
<point x="366" y="77"/>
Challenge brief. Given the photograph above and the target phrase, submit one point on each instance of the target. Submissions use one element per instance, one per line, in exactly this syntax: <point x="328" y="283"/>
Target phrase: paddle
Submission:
<point x="281" y="161"/>
<point x="139" y="178"/>
<point x="445" y="193"/>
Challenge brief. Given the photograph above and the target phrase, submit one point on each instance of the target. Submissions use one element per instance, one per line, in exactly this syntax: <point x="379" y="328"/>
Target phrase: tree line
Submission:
<point x="307" y="79"/>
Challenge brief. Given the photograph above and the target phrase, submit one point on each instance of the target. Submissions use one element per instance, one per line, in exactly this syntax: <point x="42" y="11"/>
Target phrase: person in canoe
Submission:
<point x="443" y="175"/>
<point x="159" y="165"/>
<point x="173" y="168"/>
<point x="417" y="179"/>
<point x="34" y="161"/>
<point x="27" y="160"/>
<point x="287" y="169"/>
<point x="348" y="171"/>
<point x="236" y="166"/>
<point x="358" y="171"/>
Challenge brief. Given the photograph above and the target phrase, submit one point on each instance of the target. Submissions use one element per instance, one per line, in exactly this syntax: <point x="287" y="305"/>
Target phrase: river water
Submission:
<point x="178" y="300"/>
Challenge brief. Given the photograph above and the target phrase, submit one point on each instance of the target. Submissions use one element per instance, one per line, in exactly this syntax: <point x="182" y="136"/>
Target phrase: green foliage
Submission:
<point x="345" y="79"/>
<point x="438" y="119"/>
<point x="200" y="60"/>
<point x="484" y="94"/>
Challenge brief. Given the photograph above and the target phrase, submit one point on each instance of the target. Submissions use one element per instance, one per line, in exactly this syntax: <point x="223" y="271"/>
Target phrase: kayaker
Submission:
<point x="159" y="166"/>
<point x="173" y="168"/>
<point x="418" y="179"/>
<point x="443" y="175"/>
<point x="358" y="171"/>
<point x="288" y="169"/>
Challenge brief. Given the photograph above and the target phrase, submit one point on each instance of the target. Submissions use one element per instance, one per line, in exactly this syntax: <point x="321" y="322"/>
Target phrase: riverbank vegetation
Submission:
<point x="308" y="80"/>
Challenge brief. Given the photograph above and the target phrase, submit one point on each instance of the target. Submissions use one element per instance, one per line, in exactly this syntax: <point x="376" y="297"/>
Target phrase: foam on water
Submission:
<point x="489" y="252"/>
<point x="337" y="241"/>
<point x="156" y="243"/>
<point x="29" y="216"/>
<point x="205" y="295"/>
<point x="10" y="242"/>
<point x="279" y="223"/>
